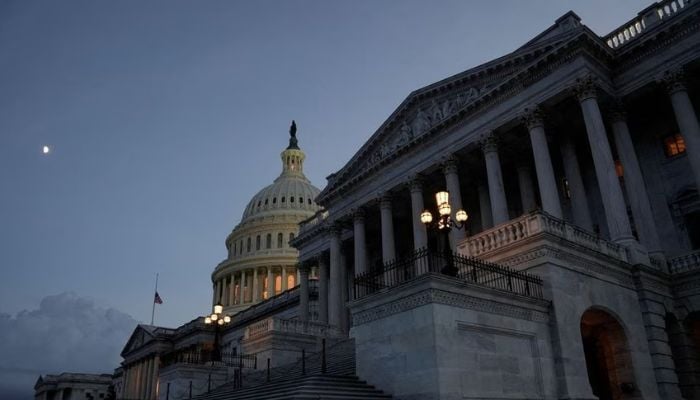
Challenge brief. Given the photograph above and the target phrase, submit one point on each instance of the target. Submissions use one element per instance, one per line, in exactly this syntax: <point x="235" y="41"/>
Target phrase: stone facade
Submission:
<point x="576" y="157"/>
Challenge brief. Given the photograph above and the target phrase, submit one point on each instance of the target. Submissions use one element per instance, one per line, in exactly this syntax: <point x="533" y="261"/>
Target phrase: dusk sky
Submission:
<point x="164" y="119"/>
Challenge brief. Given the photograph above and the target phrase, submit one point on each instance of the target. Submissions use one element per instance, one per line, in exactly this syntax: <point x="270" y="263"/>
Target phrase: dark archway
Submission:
<point x="608" y="358"/>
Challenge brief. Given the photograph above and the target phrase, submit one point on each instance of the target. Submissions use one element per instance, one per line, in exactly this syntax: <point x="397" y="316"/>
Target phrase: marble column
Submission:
<point x="148" y="380"/>
<point x="232" y="290"/>
<point x="343" y="295"/>
<point x="334" y="294"/>
<point x="449" y="168"/>
<point x="359" y="241"/>
<point x="485" y="207"/>
<point x="322" y="290"/>
<point x="256" y="286"/>
<point x="549" y="194"/>
<point x="497" y="193"/>
<point x="242" y="287"/>
<point x="637" y="194"/>
<point x="686" y="118"/>
<point x="610" y="190"/>
<point x="270" y="283"/>
<point x="303" y="292"/>
<point x="577" y="191"/>
<point x="387" y="223"/>
<point x="420" y="236"/>
<point x="284" y="278"/>
<point x="527" y="190"/>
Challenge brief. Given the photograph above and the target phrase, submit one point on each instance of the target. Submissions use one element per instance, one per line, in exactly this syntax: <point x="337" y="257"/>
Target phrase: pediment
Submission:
<point x="428" y="107"/>
<point x="140" y="337"/>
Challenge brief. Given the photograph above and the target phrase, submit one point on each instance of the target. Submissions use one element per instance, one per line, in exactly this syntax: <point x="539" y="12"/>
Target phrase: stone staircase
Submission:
<point x="292" y="382"/>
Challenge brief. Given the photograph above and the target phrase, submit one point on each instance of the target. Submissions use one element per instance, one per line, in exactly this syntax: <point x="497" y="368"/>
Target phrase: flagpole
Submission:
<point x="153" y="311"/>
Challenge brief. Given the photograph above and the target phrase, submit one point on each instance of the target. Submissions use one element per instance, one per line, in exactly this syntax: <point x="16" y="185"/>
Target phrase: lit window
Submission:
<point x="618" y="169"/>
<point x="674" y="145"/>
<point x="291" y="281"/>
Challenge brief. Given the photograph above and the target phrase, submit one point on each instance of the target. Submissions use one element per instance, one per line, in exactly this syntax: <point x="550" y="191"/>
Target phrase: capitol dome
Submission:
<point x="260" y="262"/>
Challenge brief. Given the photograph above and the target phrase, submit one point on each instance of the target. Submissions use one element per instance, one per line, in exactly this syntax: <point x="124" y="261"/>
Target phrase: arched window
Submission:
<point x="291" y="281"/>
<point x="240" y="247"/>
<point x="247" y="246"/>
<point x="257" y="242"/>
<point x="266" y="201"/>
<point x="268" y="241"/>
<point x="278" y="283"/>
<point x="280" y="238"/>
<point x="233" y="251"/>
<point x="291" y="236"/>
<point x="283" y="199"/>
<point x="301" y="200"/>
<point x="274" y="200"/>
<point x="291" y="199"/>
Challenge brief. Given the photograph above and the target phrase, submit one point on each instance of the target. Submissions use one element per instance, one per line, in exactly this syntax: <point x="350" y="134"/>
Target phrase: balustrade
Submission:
<point x="685" y="263"/>
<point x="632" y="29"/>
<point x="536" y="223"/>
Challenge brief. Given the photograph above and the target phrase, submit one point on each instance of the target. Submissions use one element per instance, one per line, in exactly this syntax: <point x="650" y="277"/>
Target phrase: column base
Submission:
<point x="636" y="253"/>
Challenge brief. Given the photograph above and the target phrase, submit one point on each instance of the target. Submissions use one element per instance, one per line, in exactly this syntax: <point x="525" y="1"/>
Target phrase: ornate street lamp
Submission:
<point x="218" y="319"/>
<point x="444" y="225"/>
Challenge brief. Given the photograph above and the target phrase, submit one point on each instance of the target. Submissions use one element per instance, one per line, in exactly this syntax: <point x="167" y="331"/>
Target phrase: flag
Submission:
<point x="157" y="299"/>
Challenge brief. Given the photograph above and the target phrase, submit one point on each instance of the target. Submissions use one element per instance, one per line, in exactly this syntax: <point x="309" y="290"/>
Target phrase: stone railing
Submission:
<point x="536" y="223"/>
<point x="685" y="263"/>
<point x="295" y="326"/>
<point x="652" y="15"/>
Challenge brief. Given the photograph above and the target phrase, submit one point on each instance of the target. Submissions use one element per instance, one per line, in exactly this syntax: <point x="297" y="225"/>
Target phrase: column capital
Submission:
<point x="385" y="201"/>
<point x="449" y="164"/>
<point x="674" y="80"/>
<point x="488" y="142"/>
<point x="617" y="112"/>
<point x="358" y="214"/>
<point x="415" y="183"/>
<point x="533" y="117"/>
<point x="586" y="87"/>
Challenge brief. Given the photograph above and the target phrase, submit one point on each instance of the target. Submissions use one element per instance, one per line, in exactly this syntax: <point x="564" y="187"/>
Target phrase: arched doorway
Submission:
<point x="608" y="358"/>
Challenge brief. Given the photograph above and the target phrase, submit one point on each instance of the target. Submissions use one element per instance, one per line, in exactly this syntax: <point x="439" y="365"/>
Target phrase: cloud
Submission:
<point x="67" y="333"/>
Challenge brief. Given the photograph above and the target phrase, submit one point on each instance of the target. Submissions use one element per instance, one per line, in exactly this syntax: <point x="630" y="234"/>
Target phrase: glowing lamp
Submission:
<point x="461" y="216"/>
<point x="207" y="320"/>
<point x="227" y="319"/>
<point x="218" y="309"/>
<point x="426" y="217"/>
<point x="220" y="322"/>
<point x="214" y="317"/>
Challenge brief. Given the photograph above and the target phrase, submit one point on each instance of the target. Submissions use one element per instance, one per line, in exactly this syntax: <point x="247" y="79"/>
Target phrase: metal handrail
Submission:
<point x="469" y="269"/>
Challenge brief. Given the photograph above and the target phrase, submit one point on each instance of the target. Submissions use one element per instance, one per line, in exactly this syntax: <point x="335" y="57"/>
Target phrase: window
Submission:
<point x="301" y="200"/>
<point x="291" y="236"/>
<point x="240" y="247"/>
<point x="248" y="246"/>
<point x="290" y="281"/>
<point x="618" y="169"/>
<point x="259" y="203"/>
<point x="257" y="242"/>
<point x="291" y="199"/>
<point x="674" y="145"/>
<point x="274" y="200"/>
<point x="268" y="241"/>
<point x="282" y="199"/>
<point x="266" y="201"/>
<point x="280" y="238"/>
<point x="309" y="200"/>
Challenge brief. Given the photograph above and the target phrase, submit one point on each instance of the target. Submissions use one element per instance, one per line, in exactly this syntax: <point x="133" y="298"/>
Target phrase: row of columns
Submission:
<point x="225" y="289"/>
<point x="140" y="379"/>
<point x="492" y="198"/>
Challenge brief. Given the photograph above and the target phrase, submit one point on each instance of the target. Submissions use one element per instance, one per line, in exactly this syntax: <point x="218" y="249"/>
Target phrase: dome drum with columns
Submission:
<point x="260" y="262"/>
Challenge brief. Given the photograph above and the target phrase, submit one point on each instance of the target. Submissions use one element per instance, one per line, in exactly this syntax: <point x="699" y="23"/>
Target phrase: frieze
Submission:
<point x="430" y="296"/>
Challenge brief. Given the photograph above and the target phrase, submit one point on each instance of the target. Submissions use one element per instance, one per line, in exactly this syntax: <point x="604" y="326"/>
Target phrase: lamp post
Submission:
<point x="444" y="225"/>
<point x="218" y="319"/>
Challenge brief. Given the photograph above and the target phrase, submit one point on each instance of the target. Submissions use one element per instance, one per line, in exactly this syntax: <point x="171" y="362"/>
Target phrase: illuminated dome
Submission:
<point x="259" y="254"/>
